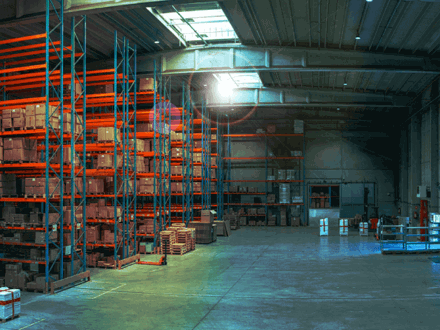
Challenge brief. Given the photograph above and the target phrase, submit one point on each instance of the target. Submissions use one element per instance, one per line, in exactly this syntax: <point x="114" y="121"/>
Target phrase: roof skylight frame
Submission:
<point x="195" y="23"/>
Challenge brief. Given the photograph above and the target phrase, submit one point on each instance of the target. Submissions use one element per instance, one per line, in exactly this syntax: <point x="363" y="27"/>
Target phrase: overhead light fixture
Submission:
<point x="157" y="41"/>
<point x="369" y="0"/>
<point x="338" y="109"/>
<point x="358" y="37"/>
<point x="345" y="84"/>
<point x="205" y="85"/>
<point x="225" y="89"/>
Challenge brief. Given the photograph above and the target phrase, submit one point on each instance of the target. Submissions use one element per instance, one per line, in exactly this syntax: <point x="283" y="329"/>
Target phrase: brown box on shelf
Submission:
<point x="295" y="221"/>
<point x="261" y="210"/>
<point x="326" y="204"/>
<point x="176" y="187"/>
<point x="6" y="123"/>
<point x="242" y="189"/>
<point x="252" y="211"/>
<point x="322" y="203"/>
<point x="18" y="122"/>
<point x="105" y="161"/>
<point x="207" y="216"/>
<point x="176" y="153"/>
<point x="233" y="189"/>
<point x="197" y="186"/>
<point x="93" y="234"/>
<point x="197" y="157"/>
<point x="197" y="171"/>
<point x="18" y="113"/>
<point x="271" y="129"/>
<point x="40" y="237"/>
<point x="103" y="89"/>
<point x="176" y="170"/>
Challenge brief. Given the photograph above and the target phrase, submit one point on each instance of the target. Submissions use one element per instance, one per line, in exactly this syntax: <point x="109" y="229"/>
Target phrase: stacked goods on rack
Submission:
<point x="271" y="219"/>
<point x="320" y="200"/>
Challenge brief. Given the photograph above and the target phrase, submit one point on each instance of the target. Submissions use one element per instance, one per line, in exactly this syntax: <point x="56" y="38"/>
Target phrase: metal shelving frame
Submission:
<point x="119" y="83"/>
<point x="187" y="165"/>
<point x="51" y="68"/>
<point x="205" y="153"/>
<point x="130" y="171"/>
<point x="266" y="159"/>
<point x="57" y="93"/>
<point x="77" y="249"/>
<point x="219" y="163"/>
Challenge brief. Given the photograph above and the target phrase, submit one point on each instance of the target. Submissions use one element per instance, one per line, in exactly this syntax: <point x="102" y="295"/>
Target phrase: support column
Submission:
<point x="415" y="175"/>
<point x="404" y="182"/>
<point x="433" y="206"/>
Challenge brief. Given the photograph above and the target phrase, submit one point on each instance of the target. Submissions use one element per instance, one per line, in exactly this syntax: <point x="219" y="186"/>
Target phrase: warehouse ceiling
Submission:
<point x="381" y="48"/>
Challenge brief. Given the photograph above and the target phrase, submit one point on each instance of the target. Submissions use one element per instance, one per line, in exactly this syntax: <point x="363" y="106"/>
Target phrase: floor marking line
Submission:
<point x="108" y="291"/>
<point x="32" y="324"/>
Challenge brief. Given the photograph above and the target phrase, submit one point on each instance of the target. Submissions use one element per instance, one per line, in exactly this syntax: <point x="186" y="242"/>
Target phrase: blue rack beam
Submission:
<point x="58" y="93"/>
<point x="130" y="149"/>
<point x="77" y="249"/>
<point x="118" y="112"/>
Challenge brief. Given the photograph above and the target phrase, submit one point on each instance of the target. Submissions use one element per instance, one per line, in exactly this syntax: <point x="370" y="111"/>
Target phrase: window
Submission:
<point x="196" y="22"/>
<point x="239" y="80"/>
<point x="324" y="197"/>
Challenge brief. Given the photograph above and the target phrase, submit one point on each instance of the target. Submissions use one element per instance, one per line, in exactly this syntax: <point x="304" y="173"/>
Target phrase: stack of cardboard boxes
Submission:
<point x="271" y="219"/>
<point x="298" y="127"/>
<point x="95" y="186"/>
<point x="283" y="216"/>
<point x="37" y="187"/>
<point x="19" y="150"/>
<point x="146" y="185"/>
<point x="8" y="184"/>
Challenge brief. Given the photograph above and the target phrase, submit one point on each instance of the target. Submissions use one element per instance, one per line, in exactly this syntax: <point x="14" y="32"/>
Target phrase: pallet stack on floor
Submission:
<point x="177" y="240"/>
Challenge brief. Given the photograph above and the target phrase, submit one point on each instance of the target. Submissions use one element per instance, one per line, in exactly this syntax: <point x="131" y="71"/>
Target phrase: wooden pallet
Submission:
<point x="10" y="319"/>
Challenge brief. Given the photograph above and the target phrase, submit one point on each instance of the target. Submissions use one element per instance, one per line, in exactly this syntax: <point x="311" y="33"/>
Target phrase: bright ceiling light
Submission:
<point x="358" y="38"/>
<point x="338" y="109"/>
<point x="369" y="0"/>
<point x="225" y="89"/>
<point x="345" y="84"/>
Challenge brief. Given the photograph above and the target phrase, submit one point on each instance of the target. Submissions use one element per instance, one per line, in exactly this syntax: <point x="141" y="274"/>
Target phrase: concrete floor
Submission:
<point x="258" y="278"/>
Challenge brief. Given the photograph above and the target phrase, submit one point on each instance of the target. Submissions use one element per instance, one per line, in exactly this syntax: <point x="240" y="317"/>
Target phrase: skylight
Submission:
<point x="201" y="22"/>
<point x="239" y="80"/>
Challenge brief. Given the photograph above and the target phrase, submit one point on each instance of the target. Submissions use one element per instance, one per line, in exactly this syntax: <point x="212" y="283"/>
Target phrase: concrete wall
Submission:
<point x="350" y="157"/>
<point x="332" y="156"/>
<point x="419" y="154"/>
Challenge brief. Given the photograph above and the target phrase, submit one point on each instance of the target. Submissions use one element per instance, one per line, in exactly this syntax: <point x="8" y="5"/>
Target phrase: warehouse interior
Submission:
<point x="229" y="164"/>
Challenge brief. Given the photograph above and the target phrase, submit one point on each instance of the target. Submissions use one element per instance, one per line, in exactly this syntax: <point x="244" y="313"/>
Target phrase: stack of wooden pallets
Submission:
<point x="178" y="248"/>
<point x="184" y="236"/>
<point x="170" y="237"/>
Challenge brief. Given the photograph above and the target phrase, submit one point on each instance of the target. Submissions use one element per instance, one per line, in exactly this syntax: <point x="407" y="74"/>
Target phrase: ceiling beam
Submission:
<point x="279" y="97"/>
<point x="238" y="58"/>
<point x="32" y="11"/>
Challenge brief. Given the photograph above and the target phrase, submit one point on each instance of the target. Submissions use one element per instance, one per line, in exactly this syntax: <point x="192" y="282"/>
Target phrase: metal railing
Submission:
<point x="409" y="238"/>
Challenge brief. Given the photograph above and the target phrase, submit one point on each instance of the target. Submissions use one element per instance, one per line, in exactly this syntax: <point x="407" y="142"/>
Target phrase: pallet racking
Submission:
<point x="114" y="110"/>
<point x="25" y="74"/>
<point x="272" y="183"/>
<point x="156" y="206"/>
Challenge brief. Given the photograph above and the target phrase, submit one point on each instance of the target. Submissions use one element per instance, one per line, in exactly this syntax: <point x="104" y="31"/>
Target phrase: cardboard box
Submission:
<point x="271" y="129"/>
<point x="207" y="216"/>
